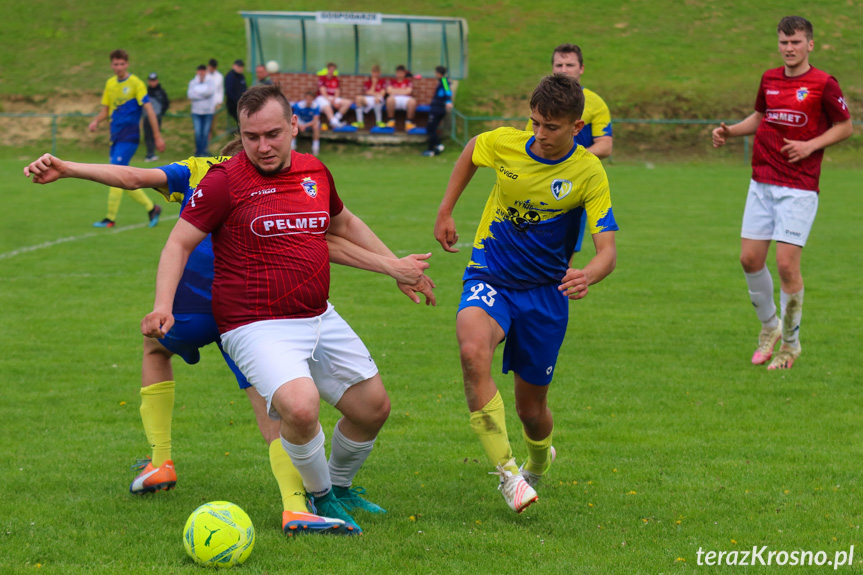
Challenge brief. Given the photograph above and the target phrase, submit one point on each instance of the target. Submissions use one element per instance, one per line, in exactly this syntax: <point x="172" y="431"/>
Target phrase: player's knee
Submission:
<point x="297" y="412"/>
<point x="751" y="263"/>
<point x="152" y="347"/>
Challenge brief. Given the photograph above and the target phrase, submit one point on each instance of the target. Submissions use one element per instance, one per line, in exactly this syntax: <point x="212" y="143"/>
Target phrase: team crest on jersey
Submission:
<point x="802" y="94"/>
<point x="310" y="186"/>
<point x="561" y="188"/>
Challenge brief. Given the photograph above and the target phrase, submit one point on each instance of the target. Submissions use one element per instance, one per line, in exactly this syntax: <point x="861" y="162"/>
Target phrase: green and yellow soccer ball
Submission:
<point x="219" y="534"/>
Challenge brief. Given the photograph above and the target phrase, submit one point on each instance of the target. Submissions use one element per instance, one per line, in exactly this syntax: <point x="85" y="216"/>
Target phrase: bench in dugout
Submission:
<point x="294" y="87"/>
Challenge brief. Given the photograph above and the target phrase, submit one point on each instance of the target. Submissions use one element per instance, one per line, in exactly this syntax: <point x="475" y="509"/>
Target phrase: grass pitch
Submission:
<point x="668" y="440"/>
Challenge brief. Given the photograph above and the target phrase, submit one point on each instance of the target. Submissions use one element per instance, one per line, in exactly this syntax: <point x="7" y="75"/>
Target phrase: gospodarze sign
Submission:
<point x="347" y="18"/>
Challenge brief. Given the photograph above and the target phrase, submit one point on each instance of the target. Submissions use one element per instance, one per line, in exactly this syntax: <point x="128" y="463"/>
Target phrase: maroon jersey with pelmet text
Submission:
<point x="798" y="108"/>
<point x="269" y="238"/>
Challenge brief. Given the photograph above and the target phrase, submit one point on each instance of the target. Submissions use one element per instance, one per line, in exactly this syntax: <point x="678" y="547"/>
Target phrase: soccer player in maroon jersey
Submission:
<point x="269" y="211"/>
<point x="799" y="111"/>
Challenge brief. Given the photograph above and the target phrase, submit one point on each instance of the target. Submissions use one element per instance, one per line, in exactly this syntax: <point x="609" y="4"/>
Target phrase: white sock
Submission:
<point x="338" y="117"/>
<point x="792" y="312"/>
<point x="311" y="461"/>
<point x="379" y="114"/>
<point x="346" y="457"/>
<point x="316" y="146"/>
<point x="760" y="286"/>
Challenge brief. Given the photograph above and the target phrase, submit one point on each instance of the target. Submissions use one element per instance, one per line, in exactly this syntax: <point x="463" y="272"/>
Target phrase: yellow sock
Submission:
<point x="157" y="409"/>
<point x="142" y="198"/>
<point x="115" y="195"/>
<point x="489" y="424"/>
<point x="289" y="479"/>
<point x="538" y="453"/>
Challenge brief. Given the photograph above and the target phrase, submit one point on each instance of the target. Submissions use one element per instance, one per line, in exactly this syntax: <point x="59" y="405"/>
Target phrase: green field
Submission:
<point x="668" y="440"/>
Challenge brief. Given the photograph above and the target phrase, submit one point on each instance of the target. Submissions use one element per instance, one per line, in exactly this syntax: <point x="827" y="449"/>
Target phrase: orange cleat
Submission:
<point x="152" y="479"/>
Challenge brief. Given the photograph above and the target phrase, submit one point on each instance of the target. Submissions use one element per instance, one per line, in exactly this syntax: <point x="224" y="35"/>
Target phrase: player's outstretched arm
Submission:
<point x="575" y="283"/>
<point x="49" y="169"/>
<point x="462" y="173"/>
<point x="407" y="271"/>
<point x="745" y="127"/>
<point x="183" y="239"/>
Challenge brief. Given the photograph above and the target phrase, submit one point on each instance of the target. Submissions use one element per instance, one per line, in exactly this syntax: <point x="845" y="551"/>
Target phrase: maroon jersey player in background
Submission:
<point x="799" y="111"/>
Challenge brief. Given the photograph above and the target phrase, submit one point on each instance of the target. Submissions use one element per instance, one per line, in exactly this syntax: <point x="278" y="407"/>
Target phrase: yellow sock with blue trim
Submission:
<point x="289" y="479"/>
<point x="115" y="196"/>
<point x="157" y="409"/>
<point x="142" y="198"/>
<point x="489" y="424"/>
<point x="538" y="453"/>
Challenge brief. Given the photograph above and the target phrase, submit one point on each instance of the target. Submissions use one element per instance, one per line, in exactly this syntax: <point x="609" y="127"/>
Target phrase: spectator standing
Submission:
<point x="200" y="94"/>
<point x="235" y="85"/>
<point x="160" y="102"/>
<point x="441" y="104"/>
<point x="218" y="89"/>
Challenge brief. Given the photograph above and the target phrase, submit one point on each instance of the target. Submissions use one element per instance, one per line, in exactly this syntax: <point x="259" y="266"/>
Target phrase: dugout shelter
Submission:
<point x="302" y="43"/>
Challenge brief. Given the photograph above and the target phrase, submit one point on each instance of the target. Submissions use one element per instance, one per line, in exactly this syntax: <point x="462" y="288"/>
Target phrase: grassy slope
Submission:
<point x="660" y="57"/>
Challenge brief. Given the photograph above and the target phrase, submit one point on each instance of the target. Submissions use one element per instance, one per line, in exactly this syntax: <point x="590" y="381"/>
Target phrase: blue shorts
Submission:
<point x="533" y="322"/>
<point x="191" y="332"/>
<point x="122" y="152"/>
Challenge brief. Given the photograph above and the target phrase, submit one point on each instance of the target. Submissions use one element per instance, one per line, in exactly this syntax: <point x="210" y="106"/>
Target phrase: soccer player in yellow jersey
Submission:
<point x="519" y="279"/>
<point x="596" y="135"/>
<point x="124" y="98"/>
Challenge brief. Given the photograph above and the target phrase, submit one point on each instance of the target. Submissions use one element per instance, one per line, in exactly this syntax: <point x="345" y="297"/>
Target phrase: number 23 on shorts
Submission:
<point x="477" y="293"/>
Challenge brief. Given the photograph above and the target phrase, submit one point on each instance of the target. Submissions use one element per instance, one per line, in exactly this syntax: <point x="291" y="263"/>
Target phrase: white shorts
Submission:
<point x="402" y="101"/>
<point x="322" y="102"/>
<point x="778" y="213"/>
<point x="272" y="352"/>
<point x="370" y="104"/>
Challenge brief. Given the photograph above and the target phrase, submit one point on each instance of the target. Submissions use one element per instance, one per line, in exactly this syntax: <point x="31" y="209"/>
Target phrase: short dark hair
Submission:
<point x="201" y="67"/>
<point x="120" y="55"/>
<point x="213" y="63"/>
<point x="256" y="97"/>
<point x="440" y="70"/>
<point x="568" y="49"/>
<point x="791" y="24"/>
<point x="558" y="96"/>
<point x="400" y="67"/>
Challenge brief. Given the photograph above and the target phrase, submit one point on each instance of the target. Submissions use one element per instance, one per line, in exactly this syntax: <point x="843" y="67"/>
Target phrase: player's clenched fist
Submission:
<point x="156" y="324"/>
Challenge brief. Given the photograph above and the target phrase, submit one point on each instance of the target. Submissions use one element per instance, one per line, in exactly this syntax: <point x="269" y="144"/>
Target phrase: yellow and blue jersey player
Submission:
<point x="520" y="278"/>
<point x="123" y="100"/>
<point x="596" y="136"/>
